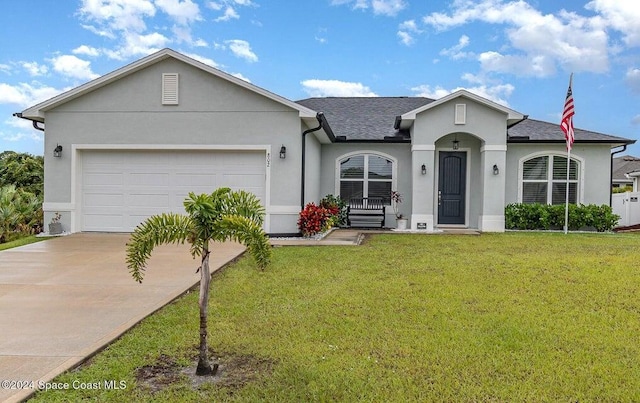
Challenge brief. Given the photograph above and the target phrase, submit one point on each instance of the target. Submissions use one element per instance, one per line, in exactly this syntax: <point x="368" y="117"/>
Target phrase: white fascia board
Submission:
<point x="511" y="114"/>
<point x="36" y="112"/>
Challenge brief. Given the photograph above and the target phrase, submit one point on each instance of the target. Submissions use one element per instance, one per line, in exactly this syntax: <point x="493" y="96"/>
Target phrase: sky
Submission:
<point x="517" y="53"/>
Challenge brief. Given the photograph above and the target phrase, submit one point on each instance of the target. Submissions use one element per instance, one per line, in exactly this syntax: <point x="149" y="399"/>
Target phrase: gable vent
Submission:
<point x="461" y="114"/>
<point x="170" y="89"/>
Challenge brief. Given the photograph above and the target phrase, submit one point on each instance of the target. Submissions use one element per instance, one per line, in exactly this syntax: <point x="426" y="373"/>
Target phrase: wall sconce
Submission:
<point x="496" y="171"/>
<point x="283" y="152"/>
<point x="456" y="143"/>
<point x="57" y="152"/>
<point x="424" y="169"/>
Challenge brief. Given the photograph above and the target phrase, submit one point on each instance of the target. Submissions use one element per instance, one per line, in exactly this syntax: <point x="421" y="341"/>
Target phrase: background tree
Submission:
<point x="217" y="217"/>
<point x="23" y="170"/>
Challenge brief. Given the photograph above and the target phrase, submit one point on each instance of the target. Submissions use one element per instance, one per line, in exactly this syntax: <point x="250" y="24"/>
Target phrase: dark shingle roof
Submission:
<point x="531" y="130"/>
<point x="363" y="118"/>
<point x="624" y="165"/>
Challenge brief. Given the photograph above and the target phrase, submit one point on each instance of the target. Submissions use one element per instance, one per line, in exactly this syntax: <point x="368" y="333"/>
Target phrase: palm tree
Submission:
<point x="217" y="217"/>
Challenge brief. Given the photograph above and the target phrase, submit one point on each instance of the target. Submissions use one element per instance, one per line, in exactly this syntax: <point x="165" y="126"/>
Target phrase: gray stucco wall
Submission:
<point x="595" y="169"/>
<point x="401" y="152"/>
<point x="211" y="111"/>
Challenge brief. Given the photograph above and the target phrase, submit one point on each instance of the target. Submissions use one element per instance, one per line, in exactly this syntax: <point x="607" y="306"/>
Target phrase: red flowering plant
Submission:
<point x="397" y="199"/>
<point x="312" y="219"/>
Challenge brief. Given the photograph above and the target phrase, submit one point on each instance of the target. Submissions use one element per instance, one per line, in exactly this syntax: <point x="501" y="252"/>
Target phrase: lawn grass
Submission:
<point x="21" y="241"/>
<point x="496" y="317"/>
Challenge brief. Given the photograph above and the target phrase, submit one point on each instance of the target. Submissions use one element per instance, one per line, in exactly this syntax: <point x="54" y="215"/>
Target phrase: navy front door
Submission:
<point x="452" y="186"/>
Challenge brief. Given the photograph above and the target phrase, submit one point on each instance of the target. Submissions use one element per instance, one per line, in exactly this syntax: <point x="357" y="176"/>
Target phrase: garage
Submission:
<point x="121" y="188"/>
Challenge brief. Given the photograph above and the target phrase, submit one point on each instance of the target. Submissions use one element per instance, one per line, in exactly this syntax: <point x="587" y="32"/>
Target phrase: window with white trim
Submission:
<point x="366" y="175"/>
<point x="544" y="180"/>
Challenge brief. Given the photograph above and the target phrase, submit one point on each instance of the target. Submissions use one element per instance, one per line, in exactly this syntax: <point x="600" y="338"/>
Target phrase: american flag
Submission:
<point x="567" y="116"/>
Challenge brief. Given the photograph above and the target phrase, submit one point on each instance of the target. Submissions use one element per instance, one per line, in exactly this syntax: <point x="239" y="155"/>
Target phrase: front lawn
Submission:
<point x="504" y="317"/>
<point x="21" y="242"/>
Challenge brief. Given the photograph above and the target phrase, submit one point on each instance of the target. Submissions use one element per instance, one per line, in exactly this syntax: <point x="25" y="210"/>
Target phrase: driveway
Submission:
<point x="63" y="299"/>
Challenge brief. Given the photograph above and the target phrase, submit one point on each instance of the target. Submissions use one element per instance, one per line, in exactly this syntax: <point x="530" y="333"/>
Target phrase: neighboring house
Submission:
<point x="134" y="143"/>
<point x="626" y="170"/>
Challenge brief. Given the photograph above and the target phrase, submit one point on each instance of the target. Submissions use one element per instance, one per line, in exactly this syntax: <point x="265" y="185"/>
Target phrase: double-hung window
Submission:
<point x="366" y="175"/>
<point x="544" y="180"/>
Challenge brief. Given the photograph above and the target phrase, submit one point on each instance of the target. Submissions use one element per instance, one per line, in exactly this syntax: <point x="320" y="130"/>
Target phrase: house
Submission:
<point x="625" y="172"/>
<point x="136" y="141"/>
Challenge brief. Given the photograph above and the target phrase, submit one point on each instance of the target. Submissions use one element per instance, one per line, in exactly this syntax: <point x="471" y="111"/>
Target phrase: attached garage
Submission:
<point x="121" y="188"/>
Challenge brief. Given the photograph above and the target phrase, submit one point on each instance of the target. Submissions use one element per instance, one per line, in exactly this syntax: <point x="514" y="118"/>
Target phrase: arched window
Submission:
<point x="543" y="179"/>
<point x="365" y="175"/>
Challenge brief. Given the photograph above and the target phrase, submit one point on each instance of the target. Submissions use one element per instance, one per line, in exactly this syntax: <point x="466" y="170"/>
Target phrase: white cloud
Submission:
<point x="74" y="67"/>
<point x="633" y="80"/>
<point x="34" y="69"/>
<point x="406" y="38"/>
<point x="336" y="88"/>
<point x="230" y="8"/>
<point x="455" y="52"/>
<point x="138" y="45"/>
<point x="202" y="59"/>
<point x="5" y="68"/>
<point x="86" y="50"/>
<point x="25" y="95"/>
<point x="183" y="12"/>
<point x="229" y="14"/>
<point x="380" y="7"/>
<point x="623" y="16"/>
<point x="123" y="15"/>
<point x="240" y="76"/>
<point x="568" y="40"/>
<point x="494" y="92"/>
<point x="242" y="49"/>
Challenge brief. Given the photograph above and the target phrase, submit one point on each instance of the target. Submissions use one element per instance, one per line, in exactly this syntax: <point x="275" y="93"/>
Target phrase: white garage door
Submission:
<point x="120" y="189"/>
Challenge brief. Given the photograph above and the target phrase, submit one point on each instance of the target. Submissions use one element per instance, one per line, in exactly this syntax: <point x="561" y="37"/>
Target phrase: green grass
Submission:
<point x="21" y="241"/>
<point x="504" y="317"/>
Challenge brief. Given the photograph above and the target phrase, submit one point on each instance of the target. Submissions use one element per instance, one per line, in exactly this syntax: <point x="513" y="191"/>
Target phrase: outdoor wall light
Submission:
<point x="456" y="144"/>
<point x="57" y="152"/>
<point x="283" y="152"/>
<point x="496" y="170"/>
<point x="424" y="169"/>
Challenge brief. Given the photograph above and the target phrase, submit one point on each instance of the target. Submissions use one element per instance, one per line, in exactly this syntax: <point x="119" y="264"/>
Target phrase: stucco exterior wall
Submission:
<point x="211" y="111"/>
<point x="401" y="152"/>
<point x="595" y="170"/>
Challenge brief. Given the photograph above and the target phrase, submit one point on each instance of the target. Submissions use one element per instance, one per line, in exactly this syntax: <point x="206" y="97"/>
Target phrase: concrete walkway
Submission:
<point x="63" y="299"/>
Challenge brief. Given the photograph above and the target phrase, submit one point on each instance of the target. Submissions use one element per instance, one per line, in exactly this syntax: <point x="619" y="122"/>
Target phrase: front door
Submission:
<point x="452" y="187"/>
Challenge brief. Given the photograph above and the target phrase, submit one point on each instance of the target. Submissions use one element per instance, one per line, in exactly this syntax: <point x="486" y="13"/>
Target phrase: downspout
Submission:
<point x="34" y="122"/>
<point x="319" y="117"/>
<point x="624" y="148"/>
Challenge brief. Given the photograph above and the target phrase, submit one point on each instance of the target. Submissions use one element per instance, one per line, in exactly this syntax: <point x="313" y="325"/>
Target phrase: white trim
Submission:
<point x="423" y="147"/>
<point x="394" y="168"/>
<point x="491" y="223"/>
<point x="581" y="170"/>
<point x="76" y="170"/>
<point x="493" y="148"/>
<point x="436" y="181"/>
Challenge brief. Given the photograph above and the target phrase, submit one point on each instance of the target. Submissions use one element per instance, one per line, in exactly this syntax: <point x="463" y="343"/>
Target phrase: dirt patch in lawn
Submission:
<point x="234" y="372"/>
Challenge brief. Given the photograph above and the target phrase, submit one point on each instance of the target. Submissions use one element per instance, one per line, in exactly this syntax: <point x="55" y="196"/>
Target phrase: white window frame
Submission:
<point x="580" y="181"/>
<point x="365" y="179"/>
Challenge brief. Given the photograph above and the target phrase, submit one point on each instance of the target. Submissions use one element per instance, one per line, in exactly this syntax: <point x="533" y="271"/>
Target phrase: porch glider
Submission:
<point x="367" y="211"/>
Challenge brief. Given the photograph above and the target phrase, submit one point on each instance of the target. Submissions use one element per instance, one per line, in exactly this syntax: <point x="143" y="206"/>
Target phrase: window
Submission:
<point x="366" y="175"/>
<point x="544" y="180"/>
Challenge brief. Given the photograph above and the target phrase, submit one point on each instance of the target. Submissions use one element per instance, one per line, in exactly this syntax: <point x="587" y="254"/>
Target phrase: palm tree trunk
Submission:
<point x="204" y="367"/>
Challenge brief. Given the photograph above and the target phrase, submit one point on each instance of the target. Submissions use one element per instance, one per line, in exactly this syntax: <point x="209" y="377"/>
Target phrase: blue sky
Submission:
<point x="518" y="53"/>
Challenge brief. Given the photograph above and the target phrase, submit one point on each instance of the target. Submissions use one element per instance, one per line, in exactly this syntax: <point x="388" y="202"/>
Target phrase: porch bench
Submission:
<point x="366" y="208"/>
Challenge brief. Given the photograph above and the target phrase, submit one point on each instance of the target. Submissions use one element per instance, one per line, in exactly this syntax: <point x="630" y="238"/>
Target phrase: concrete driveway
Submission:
<point x="63" y="299"/>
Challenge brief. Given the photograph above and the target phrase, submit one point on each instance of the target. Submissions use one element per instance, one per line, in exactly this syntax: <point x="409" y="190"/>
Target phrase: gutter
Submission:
<point x="35" y="122"/>
<point x="624" y="148"/>
<point x="321" y="120"/>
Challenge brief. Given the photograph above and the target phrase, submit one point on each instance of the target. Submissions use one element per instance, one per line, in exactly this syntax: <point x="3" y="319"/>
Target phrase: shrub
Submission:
<point x="20" y="213"/>
<point x="337" y="207"/>
<point x="544" y="217"/>
<point x="313" y="219"/>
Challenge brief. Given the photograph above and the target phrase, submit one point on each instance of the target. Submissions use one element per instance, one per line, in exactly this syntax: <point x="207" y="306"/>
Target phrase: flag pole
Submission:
<point x="569" y="136"/>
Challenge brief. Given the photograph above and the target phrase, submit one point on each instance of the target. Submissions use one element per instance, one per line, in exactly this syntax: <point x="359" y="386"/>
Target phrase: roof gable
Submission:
<point x="512" y="115"/>
<point x="36" y="112"/>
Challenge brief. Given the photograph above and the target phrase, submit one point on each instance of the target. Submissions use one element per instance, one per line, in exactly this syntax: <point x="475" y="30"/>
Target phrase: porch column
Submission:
<point x="422" y="186"/>
<point x="493" y="182"/>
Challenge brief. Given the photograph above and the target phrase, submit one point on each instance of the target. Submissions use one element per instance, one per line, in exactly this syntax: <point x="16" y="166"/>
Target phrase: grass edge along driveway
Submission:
<point x="500" y="317"/>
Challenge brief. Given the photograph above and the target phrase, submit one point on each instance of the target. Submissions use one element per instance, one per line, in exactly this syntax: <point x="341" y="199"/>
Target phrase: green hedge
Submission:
<point x="544" y="217"/>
